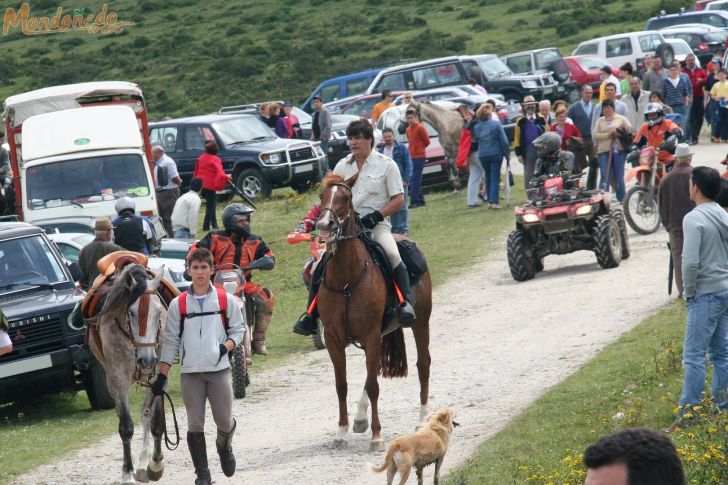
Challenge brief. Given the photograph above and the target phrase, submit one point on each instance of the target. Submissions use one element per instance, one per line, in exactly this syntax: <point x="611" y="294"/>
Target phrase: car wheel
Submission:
<point x="95" y="381"/>
<point x="252" y="183"/>
<point x="561" y="70"/>
<point x="666" y="54"/>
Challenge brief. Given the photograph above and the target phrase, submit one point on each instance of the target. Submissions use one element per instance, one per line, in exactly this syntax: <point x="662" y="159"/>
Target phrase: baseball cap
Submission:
<point x="716" y="59"/>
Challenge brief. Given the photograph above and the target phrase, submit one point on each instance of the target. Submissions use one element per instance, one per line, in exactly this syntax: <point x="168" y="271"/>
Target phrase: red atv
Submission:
<point x="562" y="218"/>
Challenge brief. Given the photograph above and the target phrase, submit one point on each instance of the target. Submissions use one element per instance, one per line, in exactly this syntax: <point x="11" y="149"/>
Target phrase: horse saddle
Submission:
<point x="110" y="266"/>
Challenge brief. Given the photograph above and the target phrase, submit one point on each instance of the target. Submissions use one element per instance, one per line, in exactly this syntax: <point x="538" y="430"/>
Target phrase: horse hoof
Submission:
<point x="128" y="480"/>
<point x="340" y="445"/>
<point x="141" y="476"/>
<point x="155" y="475"/>
<point x="360" y="426"/>
<point x="376" y="445"/>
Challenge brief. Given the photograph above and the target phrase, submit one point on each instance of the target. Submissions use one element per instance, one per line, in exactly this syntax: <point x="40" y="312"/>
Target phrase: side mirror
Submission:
<point x="75" y="270"/>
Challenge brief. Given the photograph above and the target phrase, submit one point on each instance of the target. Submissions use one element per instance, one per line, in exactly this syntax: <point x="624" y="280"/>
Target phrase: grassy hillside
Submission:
<point x="192" y="57"/>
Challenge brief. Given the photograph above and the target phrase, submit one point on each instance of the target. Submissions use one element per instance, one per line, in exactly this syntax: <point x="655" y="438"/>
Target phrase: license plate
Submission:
<point x="303" y="168"/>
<point x="548" y="91"/>
<point x="432" y="169"/>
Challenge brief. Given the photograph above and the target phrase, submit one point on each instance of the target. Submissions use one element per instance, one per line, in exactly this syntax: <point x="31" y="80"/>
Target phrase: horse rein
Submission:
<point x="340" y="222"/>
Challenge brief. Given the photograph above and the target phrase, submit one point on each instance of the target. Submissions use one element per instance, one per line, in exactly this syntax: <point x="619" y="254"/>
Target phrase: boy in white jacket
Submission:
<point x="203" y="342"/>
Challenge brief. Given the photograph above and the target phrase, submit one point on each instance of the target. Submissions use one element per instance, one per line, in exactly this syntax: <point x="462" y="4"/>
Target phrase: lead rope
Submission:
<point x="171" y="446"/>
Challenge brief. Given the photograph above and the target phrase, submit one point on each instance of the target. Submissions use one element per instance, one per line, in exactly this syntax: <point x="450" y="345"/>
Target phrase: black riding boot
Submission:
<point x="307" y="323"/>
<point x="405" y="312"/>
<point x="224" y="444"/>
<point x="198" y="452"/>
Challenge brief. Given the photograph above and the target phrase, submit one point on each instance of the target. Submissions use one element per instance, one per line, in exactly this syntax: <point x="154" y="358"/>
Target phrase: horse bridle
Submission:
<point x="143" y="314"/>
<point x="340" y="222"/>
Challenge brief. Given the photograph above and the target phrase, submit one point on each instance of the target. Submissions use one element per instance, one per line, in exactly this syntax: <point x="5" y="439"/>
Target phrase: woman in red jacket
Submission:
<point x="565" y="129"/>
<point x="209" y="169"/>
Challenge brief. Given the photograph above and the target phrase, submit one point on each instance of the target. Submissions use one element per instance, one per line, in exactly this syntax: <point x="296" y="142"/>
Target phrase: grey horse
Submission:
<point x="130" y="325"/>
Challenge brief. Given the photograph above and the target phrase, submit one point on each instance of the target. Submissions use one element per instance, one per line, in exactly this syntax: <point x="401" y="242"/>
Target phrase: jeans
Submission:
<point x="210" y="221"/>
<point x="399" y="220"/>
<point x="325" y="148"/>
<point x="416" y="197"/>
<point x="722" y="125"/>
<point x="492" y="165"/>
<point x="616" y="171"/>
<point x="475" y="175"/>
<point x="182" y="234"/>
<point x="687" y="125"/>
<point x="706" y="332"/>
<point x="681" y="110"/>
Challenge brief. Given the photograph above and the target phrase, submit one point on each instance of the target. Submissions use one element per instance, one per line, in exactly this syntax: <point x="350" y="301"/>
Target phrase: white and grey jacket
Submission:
<point x="199" y="346"/>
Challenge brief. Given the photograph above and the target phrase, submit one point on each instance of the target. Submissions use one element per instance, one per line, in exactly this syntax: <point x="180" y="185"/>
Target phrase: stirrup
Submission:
<point x="406" y="314"/>
<point x="306" y="325"/>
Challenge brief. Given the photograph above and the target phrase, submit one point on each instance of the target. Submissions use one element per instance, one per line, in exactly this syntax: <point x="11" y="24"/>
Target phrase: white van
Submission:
<point x="77" y="149"/>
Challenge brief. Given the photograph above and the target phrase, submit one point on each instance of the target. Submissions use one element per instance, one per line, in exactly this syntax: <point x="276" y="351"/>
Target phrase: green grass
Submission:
<point x="639" y="375"/>
<point x="191" y="60"/>
<point x="451" y="236"/>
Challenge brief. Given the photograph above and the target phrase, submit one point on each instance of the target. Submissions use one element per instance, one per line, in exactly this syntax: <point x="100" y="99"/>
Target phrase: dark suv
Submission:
<point x="487" y="69"/>
<point x="37" y="295"/>
<point x="546" y="60"/>
<point x="250" y="151"/>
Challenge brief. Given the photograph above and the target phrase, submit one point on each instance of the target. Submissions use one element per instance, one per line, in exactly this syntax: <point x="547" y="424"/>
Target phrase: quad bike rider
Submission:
<point x="237" y="245"/>
<point x="655" y="132"/>
<point x="552" y="160"/>
<point x="560" y="217"/>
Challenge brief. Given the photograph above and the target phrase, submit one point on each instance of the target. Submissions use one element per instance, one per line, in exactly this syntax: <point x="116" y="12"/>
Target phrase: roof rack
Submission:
<point x="369" y="67"/>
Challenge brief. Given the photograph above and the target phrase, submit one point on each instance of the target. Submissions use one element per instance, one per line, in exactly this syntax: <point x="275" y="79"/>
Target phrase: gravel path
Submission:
<point x="497" y="345"/>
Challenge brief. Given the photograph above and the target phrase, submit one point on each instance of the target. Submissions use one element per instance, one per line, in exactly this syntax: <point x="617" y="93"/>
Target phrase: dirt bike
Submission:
<point x="230" y="277"/>
<point x="316" y="250"/>
<point x="640" y="203"/>
<point x="561" y="218"/>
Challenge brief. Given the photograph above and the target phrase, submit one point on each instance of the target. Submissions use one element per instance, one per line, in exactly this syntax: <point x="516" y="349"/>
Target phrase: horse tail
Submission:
<point x="393" y="355"/>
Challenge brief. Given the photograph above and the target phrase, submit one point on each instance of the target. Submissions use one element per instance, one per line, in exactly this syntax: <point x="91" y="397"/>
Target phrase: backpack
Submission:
<point x="222" y="303"/>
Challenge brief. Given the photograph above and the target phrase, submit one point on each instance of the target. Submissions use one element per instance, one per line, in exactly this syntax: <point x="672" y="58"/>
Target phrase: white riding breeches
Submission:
<point x="382" y="233"/>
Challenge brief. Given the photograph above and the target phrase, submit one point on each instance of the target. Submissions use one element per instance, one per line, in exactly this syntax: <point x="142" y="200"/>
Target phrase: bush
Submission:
<point x="467" y="14"/>
<point x="481" y="25"/>
<point x="141" y="42"/>
<point x="567" y="29"/>
<point x="71" y="42"/>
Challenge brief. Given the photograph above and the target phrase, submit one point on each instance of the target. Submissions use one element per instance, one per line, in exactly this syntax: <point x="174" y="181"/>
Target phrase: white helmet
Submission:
<point x="654" y="108"/>
<point x="125" y="203"/>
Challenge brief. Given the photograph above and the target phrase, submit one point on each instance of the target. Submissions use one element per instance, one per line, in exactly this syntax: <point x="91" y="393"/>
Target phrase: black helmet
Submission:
<point x="547" y="144"/>
<point x="232" y="213"/>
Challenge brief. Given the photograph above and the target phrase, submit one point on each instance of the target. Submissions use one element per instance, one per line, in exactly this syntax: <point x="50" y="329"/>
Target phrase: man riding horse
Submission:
<point x="377" y="194"/>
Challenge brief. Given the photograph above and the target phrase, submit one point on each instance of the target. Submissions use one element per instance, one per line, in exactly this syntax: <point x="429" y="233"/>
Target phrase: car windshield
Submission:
<point x="243" y="129"/>
<point x="544" y="58"/>
<point x="27" y="262"/>
<point x="592" y="62"/>
<point x="493" y="66"/>
<point x="86" y="180"/>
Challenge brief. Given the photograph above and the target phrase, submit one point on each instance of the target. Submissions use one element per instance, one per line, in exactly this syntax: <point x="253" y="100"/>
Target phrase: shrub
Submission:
<point x="481" y="25"/>
<point x="71" y="42"/>
<point x="141" y="42"/>
<point x="467" y="14"/>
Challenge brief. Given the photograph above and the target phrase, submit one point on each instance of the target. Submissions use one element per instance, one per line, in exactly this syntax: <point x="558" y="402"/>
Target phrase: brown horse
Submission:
<point x="352" y="300"/>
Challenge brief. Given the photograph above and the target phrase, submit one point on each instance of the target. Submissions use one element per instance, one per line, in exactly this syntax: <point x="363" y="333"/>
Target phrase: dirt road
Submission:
<point x="496" y="346"/>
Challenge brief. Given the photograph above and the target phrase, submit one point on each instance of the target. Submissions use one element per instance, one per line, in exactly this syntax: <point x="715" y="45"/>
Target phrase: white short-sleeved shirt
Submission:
<point x="378" y="181"/>
<point x="165" y="161"/>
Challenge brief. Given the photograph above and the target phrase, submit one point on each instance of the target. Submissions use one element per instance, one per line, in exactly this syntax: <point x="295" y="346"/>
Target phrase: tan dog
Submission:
<point x="426" y="446"/>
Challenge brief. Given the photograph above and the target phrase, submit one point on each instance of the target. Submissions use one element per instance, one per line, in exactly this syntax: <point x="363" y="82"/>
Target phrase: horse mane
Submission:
<point x="334" y="179"/>
<point x="118" y="297"/>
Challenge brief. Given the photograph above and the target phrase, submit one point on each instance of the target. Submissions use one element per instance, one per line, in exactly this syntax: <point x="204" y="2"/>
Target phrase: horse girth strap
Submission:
<point x="347" y="291"/>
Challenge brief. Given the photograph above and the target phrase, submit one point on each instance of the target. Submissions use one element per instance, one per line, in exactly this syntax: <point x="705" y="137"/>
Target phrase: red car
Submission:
<point x="586" y="69"/>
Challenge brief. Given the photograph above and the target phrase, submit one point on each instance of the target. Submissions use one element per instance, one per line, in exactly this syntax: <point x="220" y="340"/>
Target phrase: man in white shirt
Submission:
<point x="186" y="212"/>
<point x="166" y="185"/>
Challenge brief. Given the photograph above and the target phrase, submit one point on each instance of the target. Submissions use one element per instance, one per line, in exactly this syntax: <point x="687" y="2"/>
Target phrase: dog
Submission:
<point x="426" y="446"/>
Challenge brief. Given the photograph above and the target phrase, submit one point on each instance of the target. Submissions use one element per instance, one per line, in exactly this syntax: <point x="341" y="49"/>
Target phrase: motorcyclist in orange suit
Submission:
<point x="654" y="132"/>
<point x="236" y="244"/>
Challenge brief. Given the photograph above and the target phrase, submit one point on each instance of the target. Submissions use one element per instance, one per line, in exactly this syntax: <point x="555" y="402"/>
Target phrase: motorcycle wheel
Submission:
<point x="608" y="242"/>
<point x="519" y="262"/>
<point x="239" y="370"/>
<point x="318" y="338"/>
<point x="641" y="216"/>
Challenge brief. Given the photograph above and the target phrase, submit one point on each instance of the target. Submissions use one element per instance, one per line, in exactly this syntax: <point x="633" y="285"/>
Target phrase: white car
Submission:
<point x="682" y="49"/>
<point x="70" y="244"/>
<point x="629" y="47"/>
